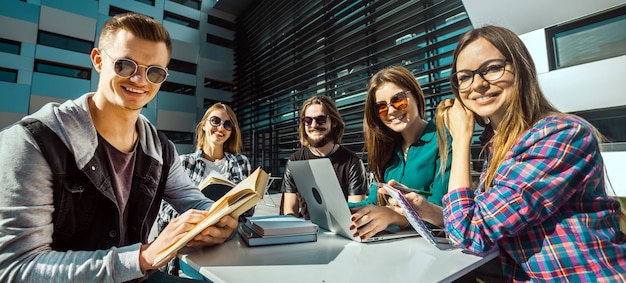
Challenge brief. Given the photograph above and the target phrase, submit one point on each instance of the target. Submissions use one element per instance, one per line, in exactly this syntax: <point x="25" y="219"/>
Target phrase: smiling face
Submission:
<point x="317" y="135"/>
<point x="217" y="135"/>
<point x="134" y="92"/>
<point x="487" y="99"/>
<point x="397" y="119"/>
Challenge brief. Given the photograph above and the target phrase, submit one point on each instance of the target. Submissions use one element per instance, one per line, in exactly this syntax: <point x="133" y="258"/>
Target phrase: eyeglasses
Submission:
<point x="127" y="68"/>
<point x="490" y="71"/>
<point x="320" y="120"/>
<point x="217" y="121"/>
<point x="399" y="101"/>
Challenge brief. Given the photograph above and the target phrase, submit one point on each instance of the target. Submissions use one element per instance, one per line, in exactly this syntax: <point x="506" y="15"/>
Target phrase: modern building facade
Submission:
<point x="45" y="46"/>
<point x="265" y="57"/>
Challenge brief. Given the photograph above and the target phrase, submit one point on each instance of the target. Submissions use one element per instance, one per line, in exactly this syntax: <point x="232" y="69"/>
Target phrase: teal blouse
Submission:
<point x="420" y="171"/>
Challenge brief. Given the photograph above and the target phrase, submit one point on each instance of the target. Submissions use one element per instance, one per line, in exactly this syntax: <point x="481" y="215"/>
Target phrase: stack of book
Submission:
<point x="277" y="229"/>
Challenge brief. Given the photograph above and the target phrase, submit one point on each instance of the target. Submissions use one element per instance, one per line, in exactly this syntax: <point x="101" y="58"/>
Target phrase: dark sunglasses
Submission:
<point x="398" y="101"/>
<point x="319" y="120"/>
<point x="127" y="68"/>
<point x="217" y="121"/>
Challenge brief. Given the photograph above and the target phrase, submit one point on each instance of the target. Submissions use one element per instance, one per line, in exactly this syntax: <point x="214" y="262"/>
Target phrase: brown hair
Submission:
<point x="234" y="143"/>
<point x="527" y="104"/>
<point x="139" y="25"/>
<point x="380" y="140"/>
<point x="330" y="109"/>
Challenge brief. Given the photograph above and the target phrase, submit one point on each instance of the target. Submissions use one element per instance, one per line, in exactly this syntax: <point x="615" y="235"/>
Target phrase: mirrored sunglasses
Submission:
<point x="398" y="101"/>
<point x="127" y="68"/>
<point x="319" y="120"/>
<point x="217" y="121"/>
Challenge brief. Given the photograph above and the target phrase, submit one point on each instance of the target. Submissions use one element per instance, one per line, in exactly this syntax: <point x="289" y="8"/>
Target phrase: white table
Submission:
<point x="333" y="259"/>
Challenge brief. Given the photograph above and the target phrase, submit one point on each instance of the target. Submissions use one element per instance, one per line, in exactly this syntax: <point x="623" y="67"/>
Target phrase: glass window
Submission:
<point x="221" y="22"/>
<point x="179" y="137"/>
<point x="610" y="122"/>
<point x="8" y="75"/>
<point x="182" y="66"/>
<point x="174" y="18"/>
<point x="221" y="85"/>
<point x="62" y="70"/>
<point x="10" y="46"/>
<point x="64" y="42"/>
<point x="178" y="88"/>
<point x="189" y="3"/>
<point x="590" y="39"/>
<point x="149" y="2"/>
<point x="115" y="10"/>
<point x="219" y="41"/>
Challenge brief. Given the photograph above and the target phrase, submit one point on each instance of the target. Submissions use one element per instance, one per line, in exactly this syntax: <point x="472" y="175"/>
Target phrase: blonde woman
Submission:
<point x="218" y="149"/>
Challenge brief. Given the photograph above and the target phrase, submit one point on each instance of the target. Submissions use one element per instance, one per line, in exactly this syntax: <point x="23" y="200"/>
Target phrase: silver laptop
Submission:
<point x="318" y="184"/>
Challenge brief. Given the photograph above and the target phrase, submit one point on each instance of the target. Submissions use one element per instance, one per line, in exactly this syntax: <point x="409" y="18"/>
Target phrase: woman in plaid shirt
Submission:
<point x="541" y="198"/>
<point x="218" y="149"/>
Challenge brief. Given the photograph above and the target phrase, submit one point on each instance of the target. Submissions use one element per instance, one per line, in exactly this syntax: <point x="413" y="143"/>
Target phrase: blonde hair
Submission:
<point x="234" y="143"/>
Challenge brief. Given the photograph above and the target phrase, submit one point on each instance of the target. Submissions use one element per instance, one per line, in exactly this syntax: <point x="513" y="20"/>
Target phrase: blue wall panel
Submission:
<point x="14" y="97"/>
<point x="20" y="10"/>
<point x="58" y="86"/>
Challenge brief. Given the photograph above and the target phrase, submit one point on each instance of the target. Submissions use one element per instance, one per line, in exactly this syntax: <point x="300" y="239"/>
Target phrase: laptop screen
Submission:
<point x="318" y="184"/>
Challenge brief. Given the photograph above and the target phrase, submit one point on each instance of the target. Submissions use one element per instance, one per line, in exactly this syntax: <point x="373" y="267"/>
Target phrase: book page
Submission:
<point x="242" y="197"/>
<point x="215" y="177"/>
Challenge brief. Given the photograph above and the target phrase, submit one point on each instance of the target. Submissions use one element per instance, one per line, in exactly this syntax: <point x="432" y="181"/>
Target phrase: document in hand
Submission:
<point x="215" y="186"/>
<point x="242" y="197"/>
<point x="414" y="219"/>
<point x="280" y="225"/>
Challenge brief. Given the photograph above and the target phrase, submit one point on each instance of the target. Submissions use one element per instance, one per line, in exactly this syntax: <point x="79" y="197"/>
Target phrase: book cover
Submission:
<point x="414" y="219"/>
<point x="216" y="191"/>
<point x="253" y="239"/>
<point x="242" y="197"/>
<point x="280" y="225"/>
<point x="215" y="186"/>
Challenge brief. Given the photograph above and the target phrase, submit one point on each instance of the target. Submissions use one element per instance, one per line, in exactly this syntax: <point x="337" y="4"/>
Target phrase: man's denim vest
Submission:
<point x="85" y="215"/>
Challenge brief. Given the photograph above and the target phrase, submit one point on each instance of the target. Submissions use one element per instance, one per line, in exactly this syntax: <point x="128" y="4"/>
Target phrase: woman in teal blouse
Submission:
<point x="402" y="150"/>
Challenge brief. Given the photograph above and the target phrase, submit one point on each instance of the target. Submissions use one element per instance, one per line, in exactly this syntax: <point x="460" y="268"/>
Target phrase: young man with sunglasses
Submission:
<point x="320" y="130"/>
<point x="82" y="181"/>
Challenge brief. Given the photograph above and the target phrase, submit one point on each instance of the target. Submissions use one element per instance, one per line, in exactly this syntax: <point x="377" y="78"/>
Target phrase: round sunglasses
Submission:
<point x="320" y="120"/>
<point x="217" y="121"/>
<point x="399" y="101"/>
<point x="127" y="68"/>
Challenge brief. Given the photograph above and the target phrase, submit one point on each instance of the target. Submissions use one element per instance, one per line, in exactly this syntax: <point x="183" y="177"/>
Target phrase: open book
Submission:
<point x="242" y="197"/>
<point x="215" y="186"/>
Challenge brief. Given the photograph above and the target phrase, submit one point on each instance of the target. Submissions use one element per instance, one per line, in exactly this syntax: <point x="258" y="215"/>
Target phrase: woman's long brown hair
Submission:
<point x="527" y="104"/>
<point x="380" y="140"/>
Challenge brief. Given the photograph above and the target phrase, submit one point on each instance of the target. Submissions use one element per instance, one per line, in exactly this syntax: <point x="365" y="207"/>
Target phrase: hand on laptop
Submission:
<point x="368" y="220"/>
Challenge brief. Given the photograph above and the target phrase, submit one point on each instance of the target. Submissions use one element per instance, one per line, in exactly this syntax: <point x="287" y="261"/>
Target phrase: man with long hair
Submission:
<point x="320" y="130"/>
